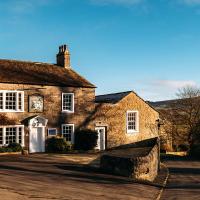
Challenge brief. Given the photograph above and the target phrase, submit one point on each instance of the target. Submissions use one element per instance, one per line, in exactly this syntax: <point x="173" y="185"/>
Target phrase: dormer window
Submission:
<point x="68" y="102"/>
<point x="11" y="101"/>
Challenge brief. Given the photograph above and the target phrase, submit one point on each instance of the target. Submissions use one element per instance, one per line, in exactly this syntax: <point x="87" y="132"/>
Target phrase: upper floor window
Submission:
<point x="11" y="101"/>
<point x="132" y="121"/>
<point x="68" y="102"/>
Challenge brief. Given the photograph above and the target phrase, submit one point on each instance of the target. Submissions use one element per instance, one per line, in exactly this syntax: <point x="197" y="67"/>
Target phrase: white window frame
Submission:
<point x="17" y="100"/>
<point x="52" y="129"/>
<point x="72" y="134"/>
<point x="137" y="122"/>
<point x="68" y="111"/>
<point x="17" y="134"/>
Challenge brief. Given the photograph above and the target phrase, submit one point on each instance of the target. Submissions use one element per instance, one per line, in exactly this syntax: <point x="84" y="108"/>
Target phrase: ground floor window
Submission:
<point x="11" y="134"/>
<point x="52" y="131"/>
<point x="68" y="132"/>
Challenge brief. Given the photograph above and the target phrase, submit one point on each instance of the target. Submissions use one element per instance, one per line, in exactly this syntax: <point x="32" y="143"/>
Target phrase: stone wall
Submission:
<point x="87" y="114"/>
<point x="113" y="117"/>
<point x="146" y="167"/>
<point x="84" y="106"/>
<point x="139" y="163"/>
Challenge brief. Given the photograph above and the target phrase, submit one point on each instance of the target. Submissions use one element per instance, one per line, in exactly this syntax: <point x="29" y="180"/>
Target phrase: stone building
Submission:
<point x="40" y="100"/>
<point x="124" y="118"/>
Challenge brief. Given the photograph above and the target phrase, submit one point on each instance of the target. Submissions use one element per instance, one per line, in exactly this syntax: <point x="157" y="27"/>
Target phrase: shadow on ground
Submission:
<point x="86" y="174"/>
<point x="168" y="157"/>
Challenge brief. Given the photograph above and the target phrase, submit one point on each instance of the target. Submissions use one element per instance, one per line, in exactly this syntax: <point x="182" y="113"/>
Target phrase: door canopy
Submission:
<point x="38" y="121"/>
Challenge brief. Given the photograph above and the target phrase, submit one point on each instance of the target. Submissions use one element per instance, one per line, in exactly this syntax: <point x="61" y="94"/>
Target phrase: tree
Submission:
<point x="186" y="111"/>
<point x="180" y="118"/>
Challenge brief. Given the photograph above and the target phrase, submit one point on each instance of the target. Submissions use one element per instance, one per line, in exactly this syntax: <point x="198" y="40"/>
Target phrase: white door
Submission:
<point x="37" y="139"/>
<point x="101" y="138"/>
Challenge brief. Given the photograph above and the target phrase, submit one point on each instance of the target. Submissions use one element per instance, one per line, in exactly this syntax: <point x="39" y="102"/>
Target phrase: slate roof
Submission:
<point x="21" y="72"/>
<point x="116" y="97"/>
<point x="111" y="98"/>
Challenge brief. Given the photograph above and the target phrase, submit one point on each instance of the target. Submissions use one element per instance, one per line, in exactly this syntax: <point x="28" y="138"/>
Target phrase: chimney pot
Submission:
<point x="63" y="57"/>
<point x="65" y="47"/>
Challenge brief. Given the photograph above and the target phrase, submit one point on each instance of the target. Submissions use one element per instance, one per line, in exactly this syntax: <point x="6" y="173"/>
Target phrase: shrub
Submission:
<point x="3" y="149"/>
<point x="57" y="145"/>
<point x="195" y="151"/>
<point x="183" y="147"/>
<point x="15" y="147"/>
<point x="85" y="139"/>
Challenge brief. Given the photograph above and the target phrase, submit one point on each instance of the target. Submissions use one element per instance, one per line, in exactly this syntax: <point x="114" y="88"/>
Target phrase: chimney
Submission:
<point x="63" y="57"/>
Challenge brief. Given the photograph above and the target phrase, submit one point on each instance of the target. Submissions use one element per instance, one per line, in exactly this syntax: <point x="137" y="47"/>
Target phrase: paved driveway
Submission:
<point x="184" y="180"/>
<point x="64" y="177"/>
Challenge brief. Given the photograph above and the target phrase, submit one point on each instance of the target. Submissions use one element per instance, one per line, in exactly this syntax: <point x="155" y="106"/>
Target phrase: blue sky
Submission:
<point x="150" y="46"/>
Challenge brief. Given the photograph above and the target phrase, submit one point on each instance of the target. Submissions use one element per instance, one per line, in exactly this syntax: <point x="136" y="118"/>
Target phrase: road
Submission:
<point x="184" y="180"/>
<point x="49" y="177"/>
<point x="43" y="176"/>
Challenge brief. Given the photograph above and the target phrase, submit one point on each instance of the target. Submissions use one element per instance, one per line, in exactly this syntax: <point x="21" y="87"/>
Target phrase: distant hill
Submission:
<point x="168" y="103"/>
<point x="163" y="104"/>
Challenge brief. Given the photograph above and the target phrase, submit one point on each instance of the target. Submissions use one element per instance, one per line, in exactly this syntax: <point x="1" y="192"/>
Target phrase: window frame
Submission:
<point x="72" y="134"/>
<point x="68" y="111"/>
<point x="4" y="92"/>
<point x="17" y="134"/>
<point x="52" y="129"/>
<point x="129" y="131"/>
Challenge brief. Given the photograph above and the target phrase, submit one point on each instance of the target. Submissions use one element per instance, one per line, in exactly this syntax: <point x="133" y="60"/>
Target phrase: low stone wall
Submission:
<point x="140" y="163"/>
<point x="146" y="167"/>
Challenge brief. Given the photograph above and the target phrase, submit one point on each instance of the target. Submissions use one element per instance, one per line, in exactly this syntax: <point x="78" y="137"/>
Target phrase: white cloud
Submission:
<point x="156" y="90"/>
<point x="117" y="2"/>
<point x="24" y="6"/>
<point x="190" y="2"/>
<point x="174" y="84"/>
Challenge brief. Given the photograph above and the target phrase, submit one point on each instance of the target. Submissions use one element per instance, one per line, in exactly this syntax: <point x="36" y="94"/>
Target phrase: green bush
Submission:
<point x="85" y="140"/>
<point x="3" y="149"/>
<point x="13" y="147"/>
<point x="57" y="145"/>
<point x="195" y="151"/>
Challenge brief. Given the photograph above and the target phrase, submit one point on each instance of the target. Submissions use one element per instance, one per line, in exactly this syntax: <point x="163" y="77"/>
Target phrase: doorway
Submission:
<point x="101" y="131"/>
<point x="37" y="139"/>
<point x="37" y="134"/>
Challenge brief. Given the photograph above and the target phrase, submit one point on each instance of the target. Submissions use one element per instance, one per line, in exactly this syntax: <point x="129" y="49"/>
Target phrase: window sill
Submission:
<point x="132" y="132"/>
<point x="11" y="111"/>
<point x="67" y="111"/>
